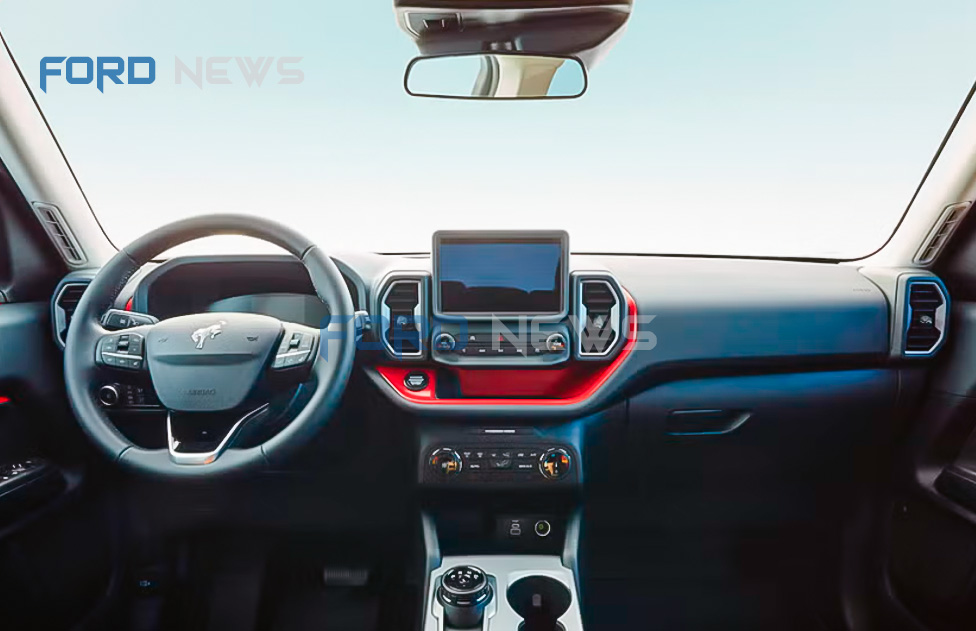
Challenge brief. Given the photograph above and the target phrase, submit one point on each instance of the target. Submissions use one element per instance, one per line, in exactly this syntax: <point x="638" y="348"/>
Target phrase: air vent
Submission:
<point x="598" y="308"/>
<point x="65" y="304"/>
<point x="951" y="217"/>
<point x="59" y="232"/>
<point x="402" y="311"/>
<point x="926" y="317"/>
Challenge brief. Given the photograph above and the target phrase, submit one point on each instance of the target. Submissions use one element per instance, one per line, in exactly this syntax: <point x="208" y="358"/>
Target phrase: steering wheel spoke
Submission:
<point x="206" y="438"/>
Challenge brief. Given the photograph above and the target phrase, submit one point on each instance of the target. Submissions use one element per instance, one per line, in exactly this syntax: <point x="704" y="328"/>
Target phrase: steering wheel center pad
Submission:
<point x="208" y="362"/>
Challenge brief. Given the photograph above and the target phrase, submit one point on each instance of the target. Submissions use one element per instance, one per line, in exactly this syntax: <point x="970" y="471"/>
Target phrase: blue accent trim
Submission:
<point x="921" y="280"/>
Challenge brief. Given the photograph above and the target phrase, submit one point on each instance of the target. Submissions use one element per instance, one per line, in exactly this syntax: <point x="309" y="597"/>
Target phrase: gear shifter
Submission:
<point x="464" y="593"/>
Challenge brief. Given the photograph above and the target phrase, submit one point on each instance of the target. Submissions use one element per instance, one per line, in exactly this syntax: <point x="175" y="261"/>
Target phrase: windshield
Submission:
<point x="756" y="127"/>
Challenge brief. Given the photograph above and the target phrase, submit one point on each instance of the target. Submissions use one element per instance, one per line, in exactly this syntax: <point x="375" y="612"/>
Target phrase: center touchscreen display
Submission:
<point x="507" y="275"/>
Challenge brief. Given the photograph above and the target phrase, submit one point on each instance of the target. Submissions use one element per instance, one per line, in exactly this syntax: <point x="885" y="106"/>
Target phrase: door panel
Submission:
<point x="928" y="551"/>
<point x="56" y="530"/>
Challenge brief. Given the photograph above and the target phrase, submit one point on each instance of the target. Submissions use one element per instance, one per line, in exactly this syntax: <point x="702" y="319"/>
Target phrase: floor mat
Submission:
<point x="326" y="609"/>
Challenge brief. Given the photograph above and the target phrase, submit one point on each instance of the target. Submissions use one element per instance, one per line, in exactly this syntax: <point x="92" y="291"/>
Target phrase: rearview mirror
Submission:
<point x="501" y="75"/>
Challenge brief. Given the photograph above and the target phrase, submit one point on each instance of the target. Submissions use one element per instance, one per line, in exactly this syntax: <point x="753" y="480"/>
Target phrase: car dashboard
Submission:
<point x="612" y="324"/>
<point x="503" y="394"/>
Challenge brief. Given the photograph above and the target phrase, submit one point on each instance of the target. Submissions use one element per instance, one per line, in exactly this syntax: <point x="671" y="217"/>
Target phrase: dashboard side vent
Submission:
<point x="599" y="310"/>
<point x="951" y="217"/>
<point x="402" y="308"/>
<point x="59" y="232"/>
<point x="925" y="318"/>
<point x="65" y="304"/>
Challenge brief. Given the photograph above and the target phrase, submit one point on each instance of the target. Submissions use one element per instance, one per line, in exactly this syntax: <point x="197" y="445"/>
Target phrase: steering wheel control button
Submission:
<point x="116" y="319"/>
<point x="109" y="395"/>
<point x="445" y="343"/>
<point x="295" y="350"/>
<point x="445" y="462"/>
<point x="416" y="381"/>
<point x="555" y="463"/>
<point x="121" y="351"/>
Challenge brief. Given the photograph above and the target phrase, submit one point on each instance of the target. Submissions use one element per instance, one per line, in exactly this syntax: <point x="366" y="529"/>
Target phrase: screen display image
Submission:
<point x="523" y="277"/>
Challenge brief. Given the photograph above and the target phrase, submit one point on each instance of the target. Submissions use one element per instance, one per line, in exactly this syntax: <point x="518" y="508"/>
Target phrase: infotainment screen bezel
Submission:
<point x="502" y="236"/>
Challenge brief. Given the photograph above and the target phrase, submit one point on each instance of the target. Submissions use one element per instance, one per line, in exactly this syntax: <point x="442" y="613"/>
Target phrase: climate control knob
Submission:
<point x="445" y="462"/>
<point x="555" y="463"/>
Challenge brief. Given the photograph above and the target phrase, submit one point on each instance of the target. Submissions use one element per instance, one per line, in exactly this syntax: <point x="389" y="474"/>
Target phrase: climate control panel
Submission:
<point x="500" y="344"/>
<point x="539" y="463"/>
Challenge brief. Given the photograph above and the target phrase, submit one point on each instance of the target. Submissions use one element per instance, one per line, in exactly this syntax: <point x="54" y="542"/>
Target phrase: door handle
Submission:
<point x="704" y="422"/>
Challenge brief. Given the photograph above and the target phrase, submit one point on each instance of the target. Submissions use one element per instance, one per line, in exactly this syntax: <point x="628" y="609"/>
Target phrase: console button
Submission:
<point x="514" y="527"/>
<point x="416" y="380"/>
<point x="501" y="463"/>
<point x="524" y="465"/>
<point x="445" y="343"/>
<point x="556" y="343"/>
<point x="476" y="465"/>
<point x="543" y="528"/>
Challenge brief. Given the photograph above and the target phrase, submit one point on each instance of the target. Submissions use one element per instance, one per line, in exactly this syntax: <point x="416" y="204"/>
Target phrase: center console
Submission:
<point x="524" y="593"/>
<point x="500" y="319"/>
<point x="501" y="527"/>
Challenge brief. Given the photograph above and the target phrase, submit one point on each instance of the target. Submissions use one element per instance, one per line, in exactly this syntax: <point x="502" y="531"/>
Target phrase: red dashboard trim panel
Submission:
<point x="571" y="384"/>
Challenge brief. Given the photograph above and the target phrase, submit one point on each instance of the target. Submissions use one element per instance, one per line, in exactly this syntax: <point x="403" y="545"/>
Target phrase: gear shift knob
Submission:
<point x="464" y="592"/>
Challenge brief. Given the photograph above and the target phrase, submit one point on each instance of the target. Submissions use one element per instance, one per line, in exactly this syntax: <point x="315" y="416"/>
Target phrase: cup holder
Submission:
<point x="539" y="600"/>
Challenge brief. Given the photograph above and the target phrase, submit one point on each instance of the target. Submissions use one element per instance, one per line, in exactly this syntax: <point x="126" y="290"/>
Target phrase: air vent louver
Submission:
<point x="59" y="232"/>
<point x="402" y="317"/>
<point x="926" y="317"/>
<point x="64" y="308"/>
<point x="599" y="313"/>
<point x="951" y="217"/>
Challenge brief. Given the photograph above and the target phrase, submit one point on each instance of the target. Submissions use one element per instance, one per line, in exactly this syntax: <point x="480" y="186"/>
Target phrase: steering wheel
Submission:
<point x="211" y="365"/>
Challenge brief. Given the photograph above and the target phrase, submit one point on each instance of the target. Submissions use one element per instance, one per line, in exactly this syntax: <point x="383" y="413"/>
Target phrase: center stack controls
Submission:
<point x="514" y="464"/>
